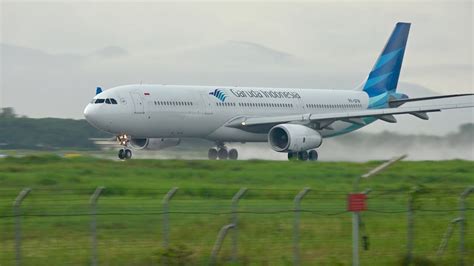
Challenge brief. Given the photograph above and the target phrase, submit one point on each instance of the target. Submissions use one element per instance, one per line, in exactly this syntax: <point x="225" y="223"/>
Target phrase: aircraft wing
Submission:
<point x="325" y="120"/>
<point x="398" y="102"/>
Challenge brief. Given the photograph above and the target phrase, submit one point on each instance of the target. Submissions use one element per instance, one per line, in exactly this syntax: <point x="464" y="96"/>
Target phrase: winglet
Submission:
<point x="98" y="90"/>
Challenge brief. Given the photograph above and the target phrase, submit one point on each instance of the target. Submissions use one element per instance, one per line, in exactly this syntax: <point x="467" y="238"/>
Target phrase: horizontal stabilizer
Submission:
<point x="396" y="103"/>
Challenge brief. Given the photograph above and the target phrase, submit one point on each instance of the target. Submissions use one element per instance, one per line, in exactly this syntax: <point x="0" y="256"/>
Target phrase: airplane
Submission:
<point x="292" y="120"/>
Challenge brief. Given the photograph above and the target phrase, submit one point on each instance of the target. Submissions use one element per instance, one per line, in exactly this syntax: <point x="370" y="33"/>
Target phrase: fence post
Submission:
<point x="296" y="225"/>
<point x="166" y="200"/>
<point x="447" y="236"/>
<point x="377" y="170"/>
<point x="462" y="203"/>
<point x="219" y="240"/>
<point x="17" y="213"/>
<point x="410" y="224"/>
<point x="355" y="238"/>
<point x="235" y="202"/>
<point x="93" y="203"/>
<point x="355" y="233"/>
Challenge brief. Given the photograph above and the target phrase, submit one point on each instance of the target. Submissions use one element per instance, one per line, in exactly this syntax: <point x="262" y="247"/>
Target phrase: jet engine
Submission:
<point x="293" y="137"/>
<point x="153" y="143"/>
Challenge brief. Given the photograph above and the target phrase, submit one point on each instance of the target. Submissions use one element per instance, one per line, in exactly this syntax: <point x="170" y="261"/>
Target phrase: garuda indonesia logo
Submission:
<point x="219" y="94"/>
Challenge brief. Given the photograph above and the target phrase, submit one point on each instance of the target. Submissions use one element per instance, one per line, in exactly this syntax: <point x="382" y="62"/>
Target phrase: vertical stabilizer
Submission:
<point x="383" y="79"/>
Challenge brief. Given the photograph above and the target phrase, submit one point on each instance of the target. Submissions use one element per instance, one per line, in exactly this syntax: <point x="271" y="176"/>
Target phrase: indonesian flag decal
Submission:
<point x="147" y="94"/>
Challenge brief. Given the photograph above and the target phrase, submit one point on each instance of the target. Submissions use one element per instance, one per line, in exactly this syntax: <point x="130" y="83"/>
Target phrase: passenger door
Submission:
<point x="138" y="102"/>
<point x="206" y="104"/>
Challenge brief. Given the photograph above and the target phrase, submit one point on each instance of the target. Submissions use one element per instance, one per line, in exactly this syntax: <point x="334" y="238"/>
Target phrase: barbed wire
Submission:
<point x="224" y="213"/>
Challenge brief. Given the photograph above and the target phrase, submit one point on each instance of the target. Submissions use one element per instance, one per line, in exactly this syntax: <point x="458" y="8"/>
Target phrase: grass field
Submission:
<point x="56" y="222"/>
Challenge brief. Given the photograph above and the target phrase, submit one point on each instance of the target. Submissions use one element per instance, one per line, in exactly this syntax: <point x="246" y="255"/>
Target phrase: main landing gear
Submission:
<point x="311" y="155"/>
<point x="222" y="153"/>
<point x="125" y="153"/>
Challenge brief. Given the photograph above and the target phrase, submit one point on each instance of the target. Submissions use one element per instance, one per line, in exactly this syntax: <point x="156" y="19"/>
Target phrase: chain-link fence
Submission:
<point x="219" y="226"/>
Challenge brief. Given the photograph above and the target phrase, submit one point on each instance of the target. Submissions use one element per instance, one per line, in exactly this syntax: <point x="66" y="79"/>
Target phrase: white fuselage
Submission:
<point x="173" y="111"/>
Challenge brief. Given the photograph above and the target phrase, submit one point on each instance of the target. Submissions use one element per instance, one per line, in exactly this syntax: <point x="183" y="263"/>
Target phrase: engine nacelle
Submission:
<point x="293" y="137"/>
<point x="153" y="143"/>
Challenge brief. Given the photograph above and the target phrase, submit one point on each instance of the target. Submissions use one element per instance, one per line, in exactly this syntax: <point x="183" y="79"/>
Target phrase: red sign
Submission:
<point x="356" y="202"/>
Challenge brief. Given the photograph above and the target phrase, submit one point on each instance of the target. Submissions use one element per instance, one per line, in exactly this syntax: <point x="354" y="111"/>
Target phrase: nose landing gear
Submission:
<point x="125" y="153"/>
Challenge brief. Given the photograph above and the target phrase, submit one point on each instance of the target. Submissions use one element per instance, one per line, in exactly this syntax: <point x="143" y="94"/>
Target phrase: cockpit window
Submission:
<point x="107" y="101"/>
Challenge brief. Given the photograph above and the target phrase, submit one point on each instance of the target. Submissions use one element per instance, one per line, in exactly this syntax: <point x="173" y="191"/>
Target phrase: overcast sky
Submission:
<point x="53" y="50"/>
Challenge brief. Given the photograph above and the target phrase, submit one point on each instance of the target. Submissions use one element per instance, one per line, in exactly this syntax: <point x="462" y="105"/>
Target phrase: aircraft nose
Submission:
<point x="87" y="112"/>
<point x="90" y="114"/>
<point x="98" y="117"/>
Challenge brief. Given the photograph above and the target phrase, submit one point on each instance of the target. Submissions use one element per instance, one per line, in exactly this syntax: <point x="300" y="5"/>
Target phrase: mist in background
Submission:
<point x="354" y="147"/>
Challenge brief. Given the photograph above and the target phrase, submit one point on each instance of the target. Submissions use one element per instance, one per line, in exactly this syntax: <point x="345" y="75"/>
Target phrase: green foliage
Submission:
<point x="179" y="255"/>
<point x="416" y="261"/>
<point x="46" y="133"/>
<point x="130" y="210"/>
<point x="7" y="112"/>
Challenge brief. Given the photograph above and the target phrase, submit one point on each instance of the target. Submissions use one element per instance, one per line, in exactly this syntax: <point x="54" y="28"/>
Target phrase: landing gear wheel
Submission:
<point x="128" y="154"/>
<point x="303" y="155"/>
<point x="212" y="154"/>
<point x="313" y="155"/>
<point x="125" y="154"/>
<point x="233" y="154"/>
<point x="292" y="156"/>
<point x="121" y="154"/>
<point x="223" y="154"/>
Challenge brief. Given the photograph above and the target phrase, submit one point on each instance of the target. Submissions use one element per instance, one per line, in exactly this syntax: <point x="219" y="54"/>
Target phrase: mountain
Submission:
<point x="110" y="52"/>
<point x="236" y="55"/>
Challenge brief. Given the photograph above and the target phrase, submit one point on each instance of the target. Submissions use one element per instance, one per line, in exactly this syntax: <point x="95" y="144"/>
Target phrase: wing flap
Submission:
<point x="388" y="118"/>
<point x="421" y="115"/>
